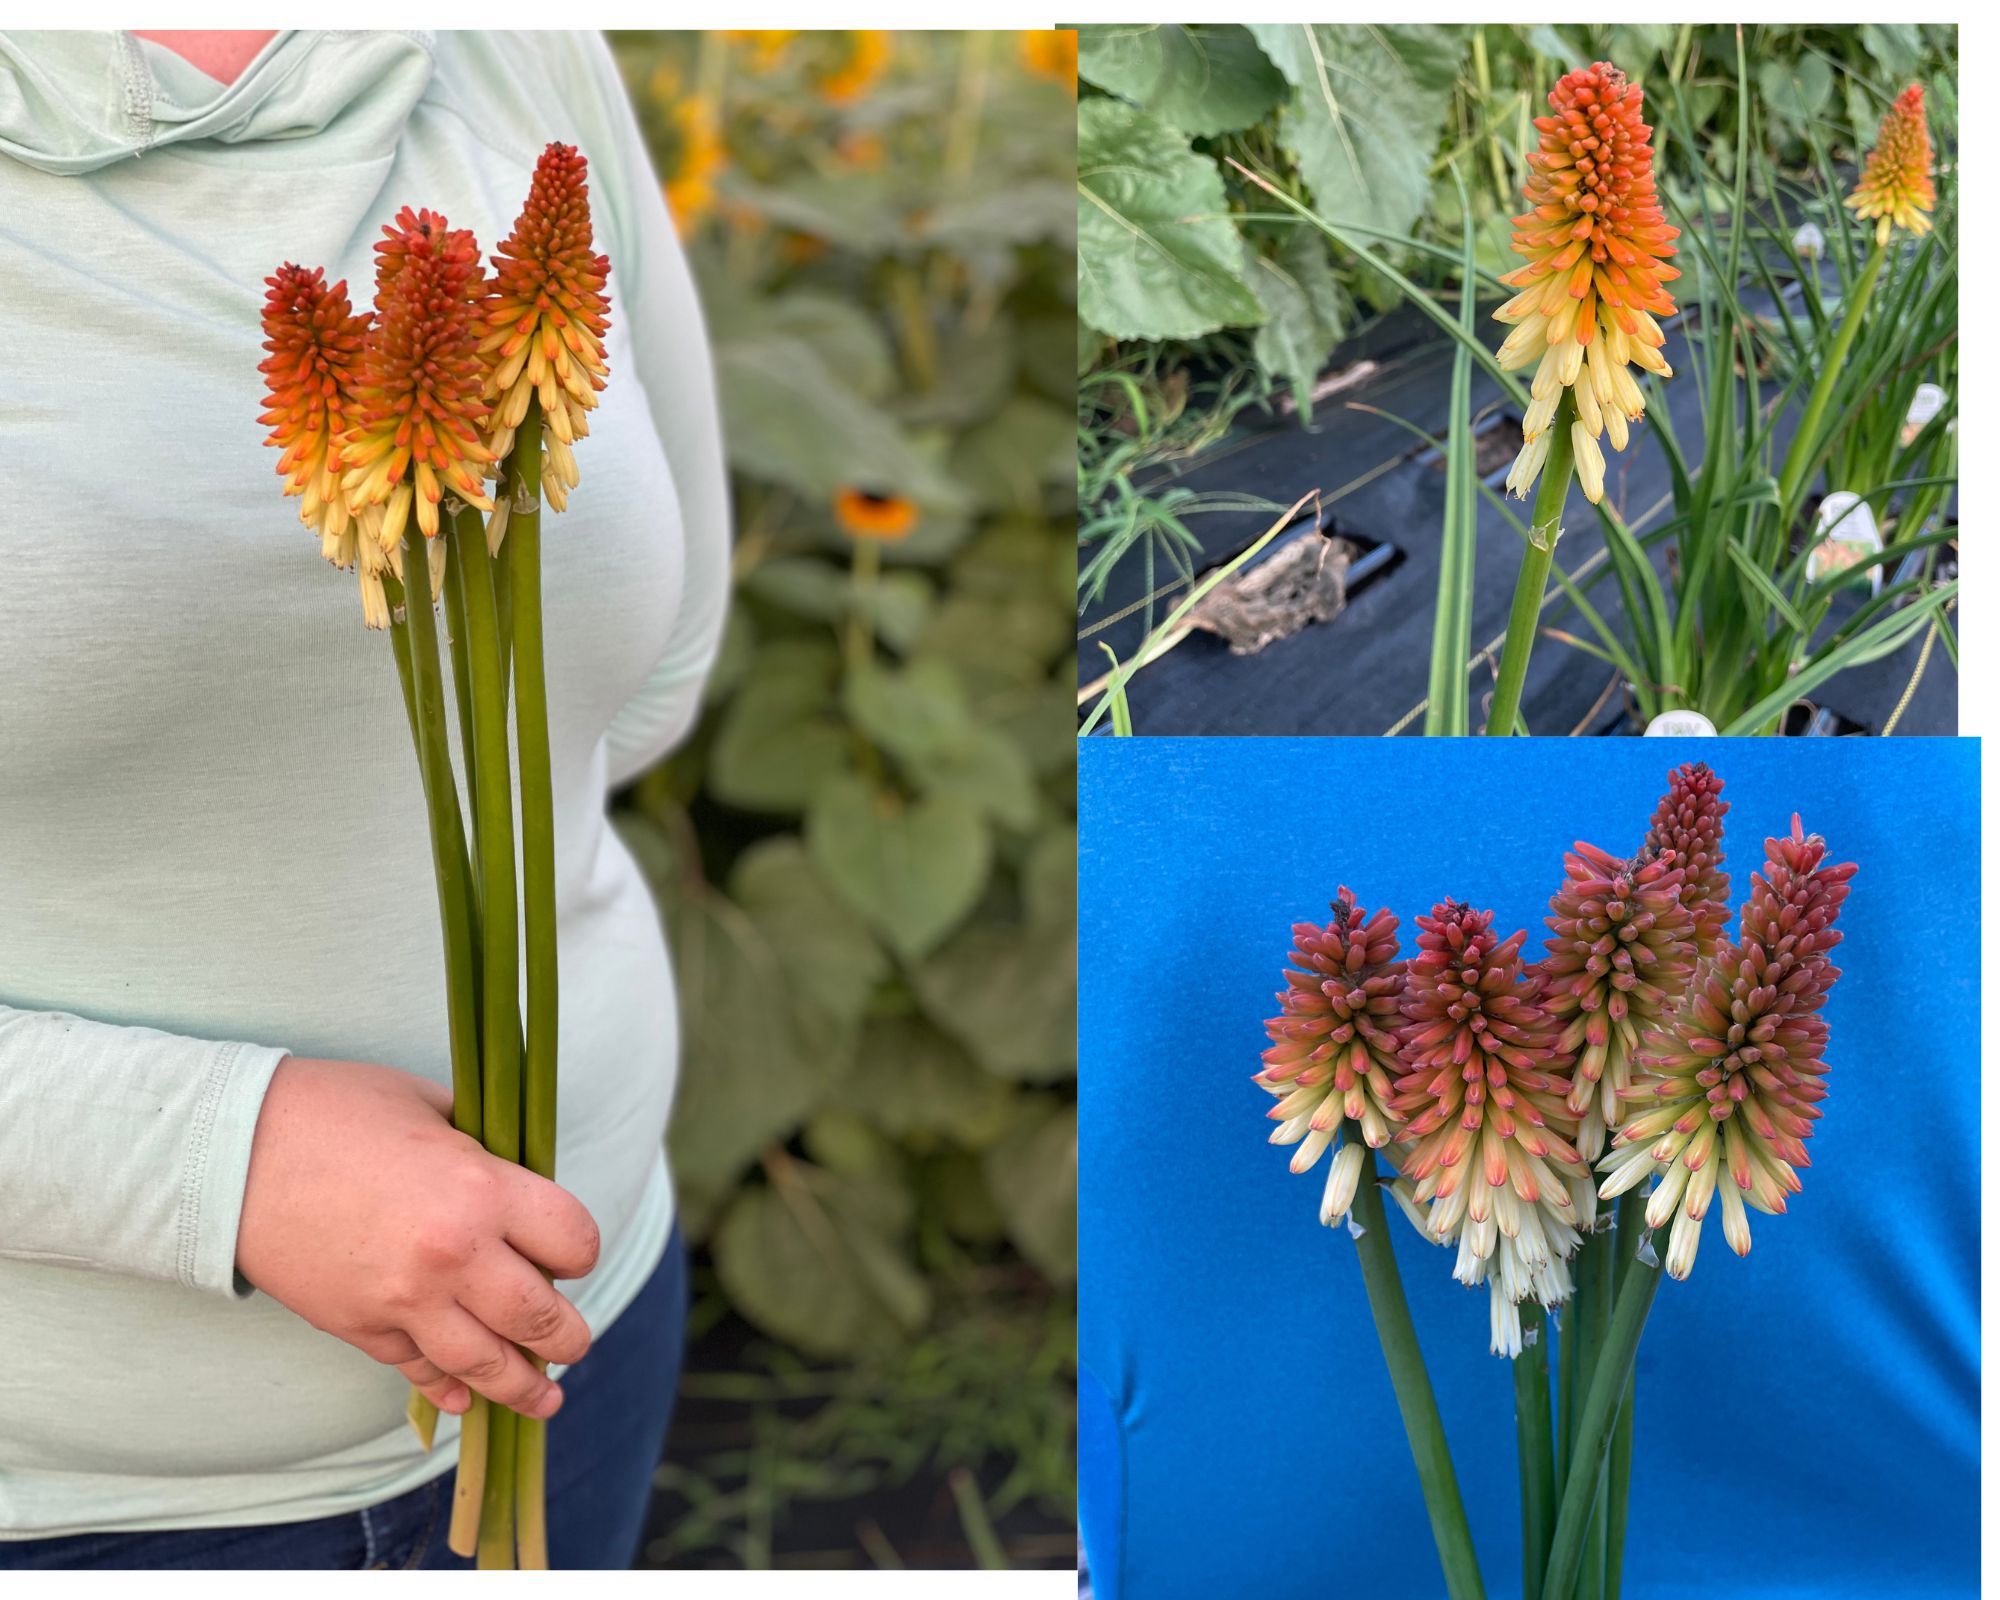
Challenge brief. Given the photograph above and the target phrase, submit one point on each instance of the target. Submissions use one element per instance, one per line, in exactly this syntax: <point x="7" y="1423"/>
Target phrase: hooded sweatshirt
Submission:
<point x="212" y="847"/>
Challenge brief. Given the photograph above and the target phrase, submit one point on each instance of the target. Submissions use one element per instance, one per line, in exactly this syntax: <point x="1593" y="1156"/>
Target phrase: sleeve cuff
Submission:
<point x="218" y="1165"/>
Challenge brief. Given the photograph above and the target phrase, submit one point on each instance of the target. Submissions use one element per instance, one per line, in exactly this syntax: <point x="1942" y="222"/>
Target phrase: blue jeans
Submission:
<point x="603" y="1446"/>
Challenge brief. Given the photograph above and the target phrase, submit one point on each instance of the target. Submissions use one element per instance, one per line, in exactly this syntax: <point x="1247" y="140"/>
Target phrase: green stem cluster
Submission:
<point x="1532" y="583"/>
<point x="503" y="1076"/>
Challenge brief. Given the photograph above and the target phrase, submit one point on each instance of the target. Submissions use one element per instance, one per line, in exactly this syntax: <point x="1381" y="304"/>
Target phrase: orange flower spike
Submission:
<point x="546" y="318"/>
<point x="1895" y="187"/>
<point x="1595" y="242"/>
<point x="420" y="413"/>
<point x="315" y="341"/>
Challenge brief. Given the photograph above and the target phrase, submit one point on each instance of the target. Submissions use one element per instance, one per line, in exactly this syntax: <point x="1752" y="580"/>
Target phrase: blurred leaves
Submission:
<point x="865" y="854"/>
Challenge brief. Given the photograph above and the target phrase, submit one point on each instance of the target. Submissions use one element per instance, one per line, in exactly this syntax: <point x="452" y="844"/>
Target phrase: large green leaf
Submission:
<point x="824" y="950"/>
<point x="779" y="741"/>
<point x="1032" y="1173"/>
<point x="1364" y="120"/>
<point x="1306" y="312"/>
<point x="1794" y="91"/>
<point x="912" y="869"/>
<point x="1200" y="79"/>
<point x="912" y="1080"/>
<point x="1158" y="256"/>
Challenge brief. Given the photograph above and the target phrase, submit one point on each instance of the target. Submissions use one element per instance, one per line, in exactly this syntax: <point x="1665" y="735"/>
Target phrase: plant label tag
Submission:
<point x="1925" y="404"/>
<point x="1680" y="725"/>
<point x="1845" y="536"/>
<point x="1809" y="241"/>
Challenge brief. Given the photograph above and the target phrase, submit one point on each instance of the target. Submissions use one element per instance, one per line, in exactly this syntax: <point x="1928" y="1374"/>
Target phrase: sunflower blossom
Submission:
<point x="315" y="342"/>
<point x="1895" y="185"/>
<point x="1489" y="1143"/>
<point x="1620" y="957"/>
<point x="1688" y="821"/>
<point x="1595" y="242"/>
<point x="546" y="317"/>
<point x="418" y="399"/>
<point x="1332" y="1060"/>
<point x="1737" y="1079"/>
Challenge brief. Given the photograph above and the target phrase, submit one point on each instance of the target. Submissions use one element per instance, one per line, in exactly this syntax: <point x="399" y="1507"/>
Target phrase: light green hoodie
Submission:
<point x="211" y="848"/>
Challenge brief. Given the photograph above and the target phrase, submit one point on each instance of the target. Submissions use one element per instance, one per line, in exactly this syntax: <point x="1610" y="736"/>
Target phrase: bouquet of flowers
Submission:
<point x="421" y="439"/>
<point x="1513" y="1098"/>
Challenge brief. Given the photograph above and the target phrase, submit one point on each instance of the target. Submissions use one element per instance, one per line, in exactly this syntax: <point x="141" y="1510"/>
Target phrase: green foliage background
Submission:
<point x="866" y="854"/>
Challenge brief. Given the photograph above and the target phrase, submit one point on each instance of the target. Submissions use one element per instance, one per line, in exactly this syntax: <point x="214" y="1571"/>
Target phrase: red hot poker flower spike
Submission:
<point x="546" y="318"/>
<point x="1895" y="186"/>
<point x="1621" y="957"/>
<point x="1595" y="241"/>
<point x="315" y="340"/>
<point x="1490" y="1135"/>
<point x="1688" y="821"/>
<point x="420" y="408"/>
<point x="1332" y="1060"/>
<point x="1738" y="1077"/>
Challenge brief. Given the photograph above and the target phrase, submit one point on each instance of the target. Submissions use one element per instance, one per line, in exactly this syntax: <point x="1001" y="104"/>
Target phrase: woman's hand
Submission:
<point x="373" y="1218"/>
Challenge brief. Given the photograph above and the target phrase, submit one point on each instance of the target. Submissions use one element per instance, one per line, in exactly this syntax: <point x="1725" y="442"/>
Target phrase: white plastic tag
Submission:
<point x="1925" y="404"/>
<point x="1809" y="241"/>
<point x="1845" y="535"/>
<point x="1680" y="725"/>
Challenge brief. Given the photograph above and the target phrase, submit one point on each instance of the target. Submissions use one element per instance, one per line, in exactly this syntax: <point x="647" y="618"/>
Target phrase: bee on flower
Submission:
<point x="1332" y="1061"/>
<point x="1730" y="1091"/>
<point x="1895" y="186"/>
<point x="1595" y="242"/>
<point x="1490" y="1160"/>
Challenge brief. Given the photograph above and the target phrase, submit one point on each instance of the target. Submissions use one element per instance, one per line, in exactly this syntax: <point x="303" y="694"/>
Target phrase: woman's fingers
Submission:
<point x="518" y="1303"/>
<point x="399" y="1350"/>
<point x="465" y="1348"/>
<point x="549" y="1225"/>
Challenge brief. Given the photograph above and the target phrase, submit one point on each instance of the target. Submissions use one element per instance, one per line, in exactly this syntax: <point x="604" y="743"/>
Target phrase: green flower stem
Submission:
<point x="465" y="525"/>
<point x="1536" y="1446"/>
<point x="1525" y="617"/>
<point x="531" y="1514"/>
<point x="1618" y="1475"/>
<point x="1596" y="1272"/>
<point x="468" y="1495"/>
<point x="1595" y="1420"/>
<point x="1421" y="1422"/>
<point x="1805" y="450"/>
<point x="496" y="1514"/>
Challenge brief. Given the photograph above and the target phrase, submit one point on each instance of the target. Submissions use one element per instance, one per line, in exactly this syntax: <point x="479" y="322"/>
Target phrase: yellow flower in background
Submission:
<point x="1051" y="53"/>
<point x="765" y="46"/>
<point x="1595" y="241"/>
<point x="868" y="53"/>
<point x="700" y="155"/>
<point x="1895" y="186"/>
<point x="863" y="514"/>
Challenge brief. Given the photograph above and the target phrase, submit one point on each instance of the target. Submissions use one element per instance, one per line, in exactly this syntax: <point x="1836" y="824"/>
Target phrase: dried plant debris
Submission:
<point x="1304" y="582"/>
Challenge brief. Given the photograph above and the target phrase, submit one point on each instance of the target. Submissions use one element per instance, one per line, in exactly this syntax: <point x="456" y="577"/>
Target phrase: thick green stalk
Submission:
<point x="1618" y="1473"/>
<point x="461" y="664"/>
<point x="500" y="1021"/>
<point x="496" y="1513"/>
<point x="1595" y="1276"/>
<point x="1805" y="450"/>
<point x="1536" y="1446"/>
<point x="468" y="1495"/>
<point x="531" y="1511"/>
<point x="1421" y="1422"/>
<point x="1595" y="1420"/>
<point x="1525" y="617"/>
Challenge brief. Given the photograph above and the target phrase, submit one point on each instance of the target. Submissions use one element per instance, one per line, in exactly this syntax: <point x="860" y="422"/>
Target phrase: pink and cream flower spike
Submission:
<point x="1332" y="1059"/>
<point x="1732" y="1087"/>
<point x="1688" y="821"/>
<point x="1595" y="243"/>
<point x="1491" y="1162"/>
<point x="1620" y="957"/>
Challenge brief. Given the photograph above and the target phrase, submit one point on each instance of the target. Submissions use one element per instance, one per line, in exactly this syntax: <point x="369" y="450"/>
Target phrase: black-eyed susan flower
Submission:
<point x="1620" y="957"/>
<point x="1688" y="821"/>
<point x="1595" y="241"/>
<point x="315" y="340"/>
<point x="545" y="320"/>
<point x="1731" y="1090"/>
<point x="420" y="415"/>
<point x="1895" y="185"/>
<point x="864" y="514"/>
<point x="864" y="58"/>
<point x="1489" y="1153"/>
<point x="1332" y="1060"/>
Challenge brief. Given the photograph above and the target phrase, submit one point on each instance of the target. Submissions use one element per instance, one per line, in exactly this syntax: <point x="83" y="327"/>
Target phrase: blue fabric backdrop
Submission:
<point x="1808" y="1416"/>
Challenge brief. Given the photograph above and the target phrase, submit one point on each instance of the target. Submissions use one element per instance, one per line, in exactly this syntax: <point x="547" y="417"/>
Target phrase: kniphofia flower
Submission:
<point x="1732" y="1088"/>
<point x="1688" y="821"/>
<point x="420" y="415"/>
<point x="1895" y="185"/>
<point x="546" y="318"/>
<point x="315" y="340"/>
<point x="1332" y="1059"/>
<point x="1595" y="241"/>
<point x="1489" y="1143"/>
<point x="1620" y="957"/>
